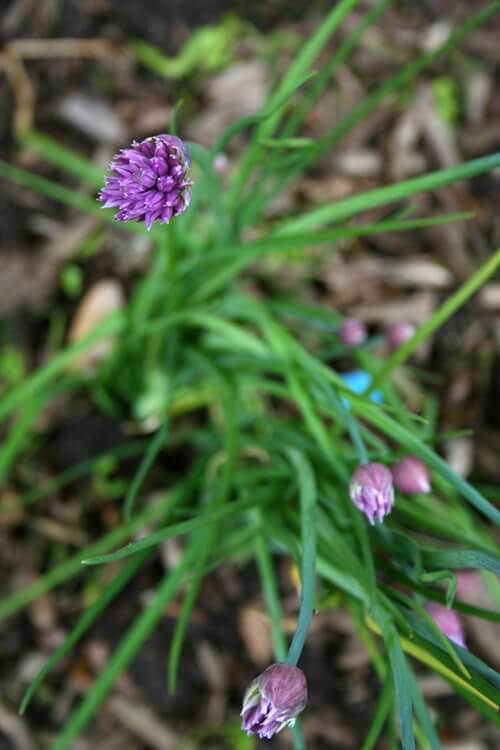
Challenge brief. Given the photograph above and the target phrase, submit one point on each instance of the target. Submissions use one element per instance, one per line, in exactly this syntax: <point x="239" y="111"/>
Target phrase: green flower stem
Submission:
<point x="269" y="587"/>
<point x="268" y="581"/>
<point x="307" y="490"/>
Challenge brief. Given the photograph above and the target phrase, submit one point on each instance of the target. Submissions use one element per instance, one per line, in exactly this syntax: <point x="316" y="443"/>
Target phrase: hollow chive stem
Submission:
<point x="307" y="491"/>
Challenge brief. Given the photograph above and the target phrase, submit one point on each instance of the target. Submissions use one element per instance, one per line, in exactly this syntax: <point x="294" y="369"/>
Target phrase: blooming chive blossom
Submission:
<point x="372" y="491"/>
<point x="447" y="621"/>
<point x="352" y="332"/>
<point x="274" y="700"/>
<point x="411" y="475"/>
<point x="149" y="181"/>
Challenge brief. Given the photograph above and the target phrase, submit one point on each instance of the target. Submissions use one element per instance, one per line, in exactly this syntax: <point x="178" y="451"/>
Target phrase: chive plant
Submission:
<point x="278" y="432"/>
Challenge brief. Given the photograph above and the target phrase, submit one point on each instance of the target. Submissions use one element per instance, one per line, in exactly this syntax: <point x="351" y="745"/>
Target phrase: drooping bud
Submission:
<point x="149" y="181"/>
<point x="399" y="332"/>
<point x="411" y="475"/>
<point x="447" y="621"/>
<point x="352" y="332"/>
<point x="274" y="700"/>
<point x="372" y="491"/>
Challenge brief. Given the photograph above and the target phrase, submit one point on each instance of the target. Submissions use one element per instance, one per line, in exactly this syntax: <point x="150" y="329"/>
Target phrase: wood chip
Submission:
<point x="15" y="729"/>
<point x="255" y="631"/>
<point x="99" y="302"/>
<point x="143" y="723"/>
<point x="93" y="117"/>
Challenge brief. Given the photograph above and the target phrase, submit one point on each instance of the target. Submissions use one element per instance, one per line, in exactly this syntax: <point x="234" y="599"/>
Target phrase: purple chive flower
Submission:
<point x="352" y="332"/>
<point x="149" y="181"/>
<point x="447" y="621"/>
<point x="399" y="332"/>
<point x="274" y="700"/>
<point x="411" y="475"/>
<point x="372" y="491"/>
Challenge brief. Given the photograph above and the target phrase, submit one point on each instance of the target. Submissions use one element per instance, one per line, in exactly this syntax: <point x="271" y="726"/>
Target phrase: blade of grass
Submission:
<point x="73" y="566"/>
<point x="68" y="197"/>
<point x="112" y="326"/>
<point x="89" y="616"/>
<point x="405" y="75"/>
<point x="126" y="650"/>
<point x="457" y="559"/>
<point x="441" y="315"/>
<point x="155" y="445"/>
<point x="402" y="679"/>
<point x="307" y="495"/>
<point x="328" y="71"/>
<point x="19" y="435"/>
<point x="245" y="122"/>
<point x="63" y="157"/>
<point x="395" y="431"/>
<point x="439" y="636"/>
<point x="75" y="472"/>
<point x="429" y="639"/>
<point x="438" y="665"/>
<point x="413" y="445"/>
<point x="214" y="192"/>
<point x="355" y="204"/>
<point x="426" y="657"/>
<point x="294" y="74"/>
<point x="379" y="717"/>
<point x="393" y="84"/>
<point x="207" y="538"/>
<point x="184" y="527"/>
<point x="270" y="590"/>
<point x="240" y="256"/>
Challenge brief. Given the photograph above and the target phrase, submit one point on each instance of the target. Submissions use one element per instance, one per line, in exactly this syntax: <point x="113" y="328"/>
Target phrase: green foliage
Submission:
<point x="446" y="97"/>
<point x="207" y="50"/>
<point x="72" y="280"/>
<point x="272" y="431"/>
<point x="12" y="369"/>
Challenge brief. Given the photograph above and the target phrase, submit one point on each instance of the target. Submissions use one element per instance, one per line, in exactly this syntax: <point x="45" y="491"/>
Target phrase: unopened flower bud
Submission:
<point x="411" y="475"/>
<point x="220" y="163"/>
<point x="399" y="332"/>
<point x="274" y="700"/>
<point x="149" y="181"/>
<point x="447" y="621"/>
<point x="469" y="583"/>
<point x="352" y="332"/>
<point x="372" y="491"/>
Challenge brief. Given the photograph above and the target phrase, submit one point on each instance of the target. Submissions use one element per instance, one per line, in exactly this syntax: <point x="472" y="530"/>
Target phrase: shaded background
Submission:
<point x="95" y="93"/>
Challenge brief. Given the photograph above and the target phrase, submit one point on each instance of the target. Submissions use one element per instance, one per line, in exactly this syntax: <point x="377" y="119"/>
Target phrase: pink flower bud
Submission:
<point x="468" y="583"/>
<point x="371" y="490"/>
<point x="399" y="332"/>
<point x="220" y="163"/>
<point x="274" y="700"/>
<point x="447" y="621"/>
<point x="352" y="332"/>
<point x="411" y="475"/>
